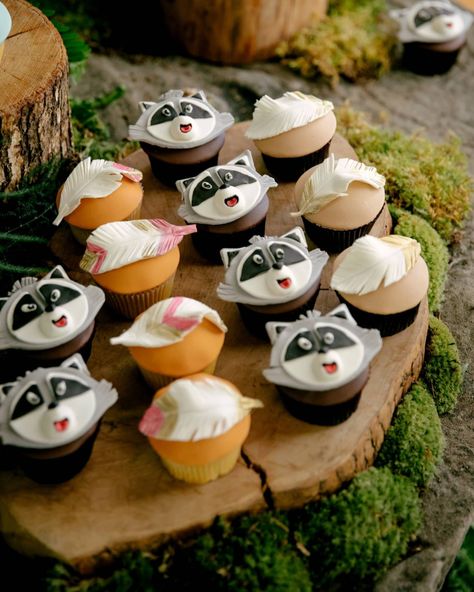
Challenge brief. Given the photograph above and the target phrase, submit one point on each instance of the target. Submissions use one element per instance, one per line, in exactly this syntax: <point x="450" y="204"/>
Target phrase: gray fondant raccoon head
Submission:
<point x="271" y="269"/>
<point x="176" y="121"/>
<point x="51" y="407"/>
<point x="320" y="352"/>
<point x="223" y="193"/>
<point x="41" y="314"/>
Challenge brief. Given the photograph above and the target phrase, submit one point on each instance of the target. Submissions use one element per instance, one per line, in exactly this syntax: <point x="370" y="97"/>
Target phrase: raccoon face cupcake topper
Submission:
<point x="431" y="22"/>
<point x="271" y="269"/>
<point x="223" y="193"/>
<point x="176" y="121"/>
<point x="45" y="313"/>
<point x="51" y="407"/>
<point x="320" y="352"/>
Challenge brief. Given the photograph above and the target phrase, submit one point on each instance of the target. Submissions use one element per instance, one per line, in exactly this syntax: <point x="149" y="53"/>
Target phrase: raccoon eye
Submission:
<point x="206" y="185"/>
<point x="28" y="307"/>
<point x="33" y="398"/>
<point x="166" y="112"/>
<point x="188" y="109"/>
<point x="304" y="343"/>
<point x="279" y="253"/>
<point x="258" y="259"/>
<point x="55" y="295"/>
<point x="328" y="338"/>
<point x="228" y="177"/>
<point x="424" y="14"/>
<point x="61" y="388"/>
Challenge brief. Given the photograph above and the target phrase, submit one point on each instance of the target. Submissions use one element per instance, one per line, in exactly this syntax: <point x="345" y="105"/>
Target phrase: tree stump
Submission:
<point x="34" y="108"/>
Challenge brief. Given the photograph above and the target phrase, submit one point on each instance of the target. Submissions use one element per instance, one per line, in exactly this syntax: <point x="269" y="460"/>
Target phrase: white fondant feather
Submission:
<point x="116" y="244"/>
<point x="374" y="262"/>
<point x="193" y="410"/>
<point x="331" y="179"/>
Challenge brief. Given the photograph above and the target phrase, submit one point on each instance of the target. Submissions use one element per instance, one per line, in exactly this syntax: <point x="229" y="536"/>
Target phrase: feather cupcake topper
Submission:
<point x="92" y="178"/>
<point x="192" y="410"/>
<point x="374" y="262"/>
<point x="331" y="180"/>
<point x="276" y="116"/>
<point x="117" y="244"/>
<point x="168" y="322"/>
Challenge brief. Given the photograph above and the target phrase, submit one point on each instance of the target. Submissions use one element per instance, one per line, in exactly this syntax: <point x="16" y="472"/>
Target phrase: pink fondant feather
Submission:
<point x="151" y="422"/>
<point x="175" y="321"/>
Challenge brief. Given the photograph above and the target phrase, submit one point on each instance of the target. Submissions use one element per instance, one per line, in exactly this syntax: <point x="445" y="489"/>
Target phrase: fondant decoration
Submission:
<point x="168" y="322"/>
<point x="223" y="193"/>
<point x="52" y="407"/>
<point x="116" y="244"/>
<point x="276" y="116"/>
<point x="194" y="410"/>
<point x="320" y="352"/>
<point x="373" y="262"/>
<point x="271" y="269"/>
<point x="5" y="22"/>
<point x="331" y="179"/>
<point x="92" y="179"/>
<point x="178" y="121"/>
<point x="44" y="313"/>
<point x="431" y="22"/>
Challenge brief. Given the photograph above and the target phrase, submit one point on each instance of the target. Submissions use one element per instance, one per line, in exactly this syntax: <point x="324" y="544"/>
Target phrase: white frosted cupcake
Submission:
<point x="5" y="26"/>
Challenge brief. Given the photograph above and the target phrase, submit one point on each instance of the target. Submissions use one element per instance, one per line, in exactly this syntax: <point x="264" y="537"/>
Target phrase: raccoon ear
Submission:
<point x="76" y="361"/>
<point x="274" y="329"/>
<point x="182" y="184"/>
<point x="228" y="254"/>
<point x="296" y="234"/>
<point x="3" y="301"/>
<point x="199" y="95"/>
<point x="5" y="389"/>
<point x="57" y="273"/>
<point x="244" y="159"/>
<point x="342" y="312"/>
<point x="144" y="105"/>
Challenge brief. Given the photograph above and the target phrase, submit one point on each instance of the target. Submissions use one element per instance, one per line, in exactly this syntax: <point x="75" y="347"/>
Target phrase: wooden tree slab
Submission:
<point x="124" y="497"/>
<point x="34" y="108"/>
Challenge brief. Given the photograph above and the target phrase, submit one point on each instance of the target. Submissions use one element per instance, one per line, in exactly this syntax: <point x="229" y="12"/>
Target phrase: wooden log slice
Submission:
<point x="124" y="497"/>
<point x="34" y="108"/>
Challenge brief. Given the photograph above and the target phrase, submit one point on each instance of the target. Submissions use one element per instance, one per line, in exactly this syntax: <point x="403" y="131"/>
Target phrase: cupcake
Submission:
<point x="293" y="133"/>
<point x="339" y="200"/>
<point x="275" y="278"/>
<point x="228" y="203"/>
<point x="134" y="262"/>
<point x="382" y="281"/>
<point x="320" y="364"/>
<point x="5" y="26"/>
<point x="98" y="192"/>
<point x="50" y="417"/>
<point x="182" y="135"/>
<point x="432" y="34"/>
<point x="198" y="425"/>
<point x="174" y="338"/>
<point x="43" y="322"/>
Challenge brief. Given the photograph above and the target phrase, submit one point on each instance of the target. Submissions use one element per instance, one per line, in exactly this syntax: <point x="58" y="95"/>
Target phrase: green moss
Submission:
<point x="461" y="576"/>
<point x="433" y="250"/>
<point x="427" y="179"/>
<point x="442" y="370"/>
<point x="356" y="40"/>
<point x="361" y="531"/>
<point x="414" y="443"/>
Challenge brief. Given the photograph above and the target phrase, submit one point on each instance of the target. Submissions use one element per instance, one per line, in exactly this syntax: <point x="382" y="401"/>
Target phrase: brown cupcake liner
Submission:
<point x="157" y="381"/>
<point x="427" y="60"/>
<point x="131" y="305"/>
<point x="201" y="474"/>
<point x="82" y="234"/>
<point x="291" y="169"/>
<point x="325" y="415"/>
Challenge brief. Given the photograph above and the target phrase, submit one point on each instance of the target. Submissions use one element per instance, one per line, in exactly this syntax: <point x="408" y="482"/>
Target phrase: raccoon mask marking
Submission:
<point x="431" y="21"/>
<point x="47" y="312"/>
<point x="52" y="406"/>
<point x="271" y="270"/>
<point x="223" y="193"/>
<point x="320" y="352"/>
<point x="176" y="121"/>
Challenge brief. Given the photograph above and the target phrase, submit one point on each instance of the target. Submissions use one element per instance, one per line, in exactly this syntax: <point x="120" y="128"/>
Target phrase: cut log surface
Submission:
<point x="34" y="108"/>
<point x="124" y="497"/>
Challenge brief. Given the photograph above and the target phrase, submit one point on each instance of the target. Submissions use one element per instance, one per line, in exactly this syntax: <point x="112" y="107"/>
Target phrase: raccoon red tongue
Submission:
<point x="330" y="368"/>
<point x="61" y="322"/>
<point x="61" y="425"/>
<point x="286" y="283"/>
<point x="186" y="127"/>
<point x="230" y="202"/>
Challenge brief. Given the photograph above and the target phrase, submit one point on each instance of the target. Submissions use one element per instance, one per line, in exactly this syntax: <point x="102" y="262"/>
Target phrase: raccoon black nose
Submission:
<point x="277" y="265"/>
<point x="52" y="405"/>
<point x="223" y="186"/>
<point x="50" y="307"/>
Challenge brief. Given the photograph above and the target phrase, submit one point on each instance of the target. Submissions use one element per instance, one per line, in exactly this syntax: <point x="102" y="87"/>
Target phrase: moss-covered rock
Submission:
<point x="356" y="40"/>
<point x="433" y="250"/>
<point x="442" y="370"/>
<point x="414" y="442"/>
<point x="359" y="532"/>
<point x="427" y="179"/>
